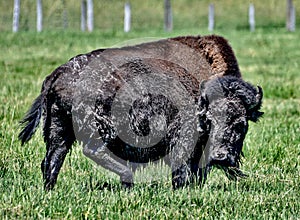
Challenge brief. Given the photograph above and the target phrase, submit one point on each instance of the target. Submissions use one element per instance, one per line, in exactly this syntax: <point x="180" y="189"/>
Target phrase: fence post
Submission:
<point x="168" y="16"/>
<point x="211" y="17"/>
<point x="290" y="16"/>
<point x="90" y="15"/>
<point x="252" y="17"/>
<point x="39" y="16"/>
<point x="83" y="15"/>
<point x="127" y="17"/>
<point x="65" y="15"/>
<point x="16" y="16"/>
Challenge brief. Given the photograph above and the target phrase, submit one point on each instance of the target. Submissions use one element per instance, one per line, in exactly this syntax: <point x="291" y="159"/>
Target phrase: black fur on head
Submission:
<point x="225" y="106"/>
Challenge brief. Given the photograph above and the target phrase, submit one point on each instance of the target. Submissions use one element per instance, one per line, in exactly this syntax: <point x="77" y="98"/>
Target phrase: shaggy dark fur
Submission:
<point x="225" y="107"/>
<point x="77" y="99"/>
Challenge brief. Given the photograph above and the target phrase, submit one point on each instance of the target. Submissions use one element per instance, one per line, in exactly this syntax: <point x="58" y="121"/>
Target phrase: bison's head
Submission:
<point x="226" y="105"/>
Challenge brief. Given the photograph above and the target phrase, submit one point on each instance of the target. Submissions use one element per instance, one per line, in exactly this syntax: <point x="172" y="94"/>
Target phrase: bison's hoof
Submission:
<point x="179" y="182"/>
<point x="127" y="185"/>
<point x="48" y="186"/>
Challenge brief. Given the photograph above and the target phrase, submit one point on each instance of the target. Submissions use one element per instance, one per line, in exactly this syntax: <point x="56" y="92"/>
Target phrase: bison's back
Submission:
<point x="198" y="58"/>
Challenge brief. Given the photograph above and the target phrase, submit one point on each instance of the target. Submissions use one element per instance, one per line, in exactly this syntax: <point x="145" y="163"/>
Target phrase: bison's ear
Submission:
<point x="255" y="115"/>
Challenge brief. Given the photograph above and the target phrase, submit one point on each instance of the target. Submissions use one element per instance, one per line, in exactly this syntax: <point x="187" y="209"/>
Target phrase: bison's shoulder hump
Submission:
<point x="216" y="51"/>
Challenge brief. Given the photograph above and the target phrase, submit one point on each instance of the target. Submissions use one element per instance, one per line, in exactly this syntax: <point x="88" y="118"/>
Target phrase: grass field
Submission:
<point x="269" y="58"/>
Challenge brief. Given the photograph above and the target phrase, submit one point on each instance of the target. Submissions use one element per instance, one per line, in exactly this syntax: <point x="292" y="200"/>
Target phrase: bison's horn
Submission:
<point x="258" y="98"/>
<point x="259" y="95"/>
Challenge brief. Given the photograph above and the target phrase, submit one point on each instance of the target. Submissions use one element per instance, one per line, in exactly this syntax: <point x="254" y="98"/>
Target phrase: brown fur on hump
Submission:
<point x="217" y="51"/>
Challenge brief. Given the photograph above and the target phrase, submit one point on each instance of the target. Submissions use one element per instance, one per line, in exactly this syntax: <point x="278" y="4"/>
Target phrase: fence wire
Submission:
<point x="146" y="15"/>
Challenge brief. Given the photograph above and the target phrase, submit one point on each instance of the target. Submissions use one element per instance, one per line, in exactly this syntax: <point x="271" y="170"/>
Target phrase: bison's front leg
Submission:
<point x="180" y="176"/>
<point x="180" y="165"/>
<point x="100" y="154"/>
<point x="199" y="174"/>
<point x="199" y="164"/>
<point x="189" y="173"/>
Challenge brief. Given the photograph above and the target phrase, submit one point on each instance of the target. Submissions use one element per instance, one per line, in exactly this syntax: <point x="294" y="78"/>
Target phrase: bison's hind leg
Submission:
<point x="59" y="137"/>
<point x="99" y="152"/>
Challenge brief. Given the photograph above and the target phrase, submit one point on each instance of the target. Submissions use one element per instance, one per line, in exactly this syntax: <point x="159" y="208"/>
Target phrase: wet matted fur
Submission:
<point x="207" y="69"/>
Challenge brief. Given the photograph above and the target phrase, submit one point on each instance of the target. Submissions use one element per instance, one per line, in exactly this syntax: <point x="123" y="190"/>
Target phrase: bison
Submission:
<point x="181" y="99"/>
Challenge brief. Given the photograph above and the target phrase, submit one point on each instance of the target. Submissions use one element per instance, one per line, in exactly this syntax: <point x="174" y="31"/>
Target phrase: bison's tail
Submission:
<point x="31" y="120"/>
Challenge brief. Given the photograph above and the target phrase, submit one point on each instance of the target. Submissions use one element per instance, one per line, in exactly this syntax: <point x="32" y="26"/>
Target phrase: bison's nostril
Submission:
<point x="223" y="159"/>
<point x="220" y="156"/>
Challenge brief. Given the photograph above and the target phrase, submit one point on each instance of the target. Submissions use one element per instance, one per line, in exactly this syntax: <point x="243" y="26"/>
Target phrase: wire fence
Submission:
<point x="185" y="14"/>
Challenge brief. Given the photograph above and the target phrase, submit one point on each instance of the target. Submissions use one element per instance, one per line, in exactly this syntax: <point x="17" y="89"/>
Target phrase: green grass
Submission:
<point x="269" y="58"/>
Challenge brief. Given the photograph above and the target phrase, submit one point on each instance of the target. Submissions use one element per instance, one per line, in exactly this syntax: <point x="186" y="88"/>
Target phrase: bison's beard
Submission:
<point x="233" y="172"/>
